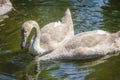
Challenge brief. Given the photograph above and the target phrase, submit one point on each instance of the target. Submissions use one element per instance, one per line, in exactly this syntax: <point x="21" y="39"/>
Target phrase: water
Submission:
<point x="17" y="64"/>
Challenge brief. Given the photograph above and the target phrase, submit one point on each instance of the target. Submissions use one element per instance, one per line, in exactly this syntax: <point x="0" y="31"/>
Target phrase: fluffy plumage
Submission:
<point x="86" y="45"/>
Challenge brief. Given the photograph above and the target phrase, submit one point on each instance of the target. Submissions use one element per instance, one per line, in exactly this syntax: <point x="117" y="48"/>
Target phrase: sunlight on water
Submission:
<point x="17" y="64"/>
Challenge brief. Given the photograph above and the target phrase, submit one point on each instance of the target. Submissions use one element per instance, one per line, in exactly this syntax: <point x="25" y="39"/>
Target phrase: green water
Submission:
<point x="17" y="64"/>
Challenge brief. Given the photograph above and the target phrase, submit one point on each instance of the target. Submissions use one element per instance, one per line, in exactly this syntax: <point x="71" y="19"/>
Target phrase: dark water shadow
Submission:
<point x="11" y="62"/>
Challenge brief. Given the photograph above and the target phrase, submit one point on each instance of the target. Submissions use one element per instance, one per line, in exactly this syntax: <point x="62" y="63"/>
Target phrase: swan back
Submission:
<point x="86" y="45"/>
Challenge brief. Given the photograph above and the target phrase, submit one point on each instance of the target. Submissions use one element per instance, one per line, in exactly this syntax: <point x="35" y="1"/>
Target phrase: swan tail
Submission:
<point x="67" y="19"/>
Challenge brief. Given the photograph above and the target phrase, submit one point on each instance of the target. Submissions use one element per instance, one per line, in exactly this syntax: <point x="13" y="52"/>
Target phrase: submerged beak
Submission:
<point x="23" y="43"/>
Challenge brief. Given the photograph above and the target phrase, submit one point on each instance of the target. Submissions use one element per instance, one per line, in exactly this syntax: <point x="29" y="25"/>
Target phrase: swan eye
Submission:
<point x="25" y="31"/>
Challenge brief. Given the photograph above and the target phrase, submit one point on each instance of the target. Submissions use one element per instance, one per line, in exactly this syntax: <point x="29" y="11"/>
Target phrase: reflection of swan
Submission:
<point x="50" y="36"/>
<point x="34" y="69"/>
<point x="5" y="6"/>
<point x="86" y="45"/>
<point x="30" y="72"/>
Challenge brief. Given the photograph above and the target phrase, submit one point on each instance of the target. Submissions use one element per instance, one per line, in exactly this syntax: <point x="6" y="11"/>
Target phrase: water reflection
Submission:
<point x="4" y="77"/>
<point x="59" y="70"/>
<point x="111" y="16"/>
<point x="106" y="71"/>
<point x="87" y="15"/>
<point x="12" y="62"/>
<point x="53" y="70"/>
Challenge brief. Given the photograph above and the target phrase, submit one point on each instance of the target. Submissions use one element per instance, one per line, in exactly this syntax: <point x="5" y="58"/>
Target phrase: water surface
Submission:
<point x="17" y="64"/>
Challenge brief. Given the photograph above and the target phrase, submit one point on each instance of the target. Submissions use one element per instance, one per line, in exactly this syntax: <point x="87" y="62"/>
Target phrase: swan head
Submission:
<point x="25" y="31"/>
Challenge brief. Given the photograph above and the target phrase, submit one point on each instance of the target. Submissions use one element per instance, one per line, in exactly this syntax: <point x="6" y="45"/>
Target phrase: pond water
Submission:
<point x="17" y="64"/>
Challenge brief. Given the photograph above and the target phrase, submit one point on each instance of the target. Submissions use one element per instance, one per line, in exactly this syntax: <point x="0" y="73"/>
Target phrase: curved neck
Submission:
<point x="37" y="31"/>
<point x="35" y="41"/>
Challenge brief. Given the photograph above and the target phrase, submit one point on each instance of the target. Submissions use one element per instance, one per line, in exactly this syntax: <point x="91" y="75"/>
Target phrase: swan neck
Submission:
<point x="37" y="31"/>
<point x="35" y="42"/>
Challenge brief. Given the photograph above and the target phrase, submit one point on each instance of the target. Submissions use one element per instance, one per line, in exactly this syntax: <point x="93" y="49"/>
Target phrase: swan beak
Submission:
<point x="23" y="44"/>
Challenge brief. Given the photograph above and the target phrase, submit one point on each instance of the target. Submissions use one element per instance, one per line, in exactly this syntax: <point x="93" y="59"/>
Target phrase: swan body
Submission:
<point x="50" y="36"/>
<point x="86" y="45"/>
<point x="5" y="6"/>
